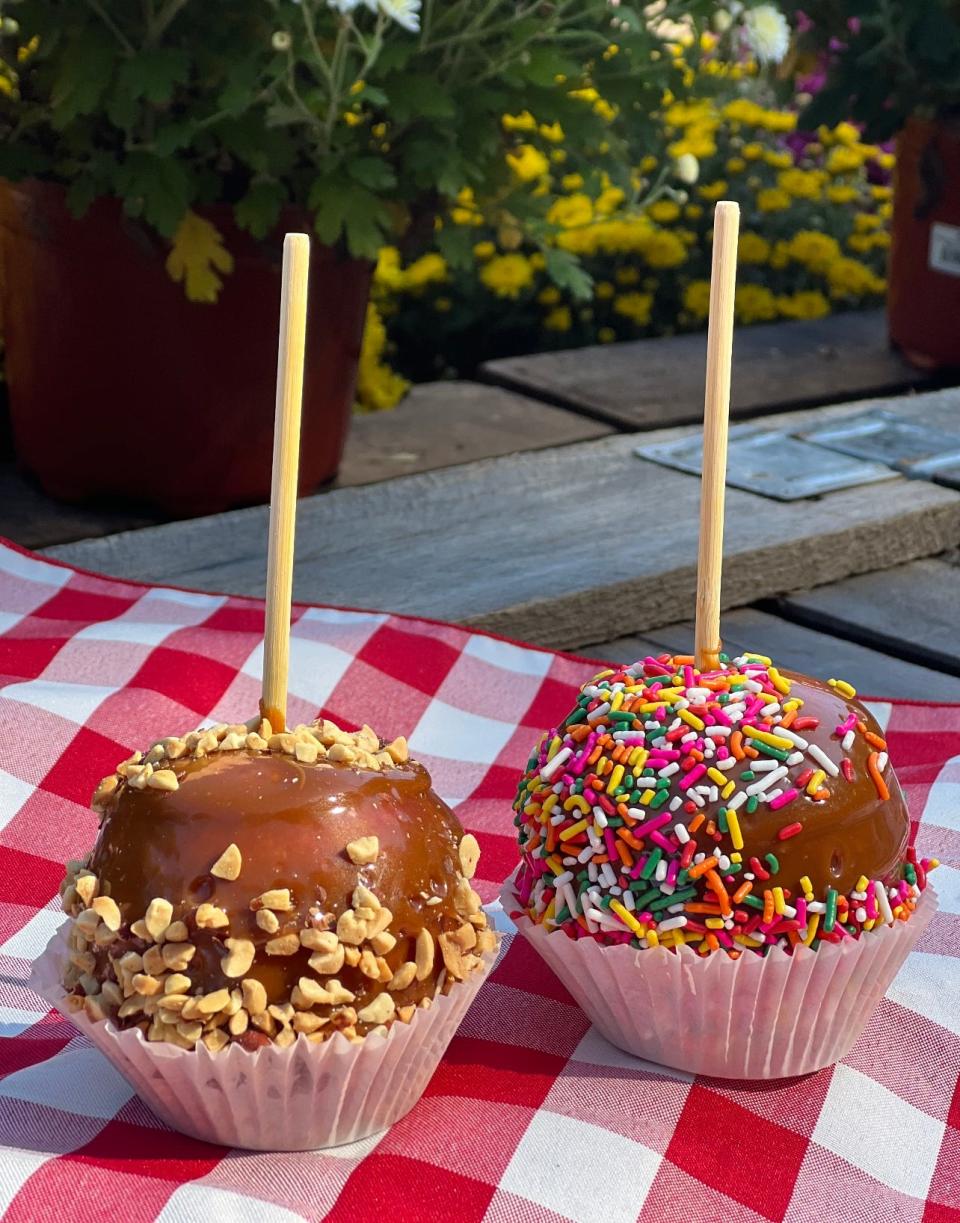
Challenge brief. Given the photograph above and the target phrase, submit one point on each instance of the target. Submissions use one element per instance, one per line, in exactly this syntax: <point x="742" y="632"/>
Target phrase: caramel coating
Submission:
<point x="253" y="887"/>
<point x="292" y="823"/>
<point x="853" y="833"/>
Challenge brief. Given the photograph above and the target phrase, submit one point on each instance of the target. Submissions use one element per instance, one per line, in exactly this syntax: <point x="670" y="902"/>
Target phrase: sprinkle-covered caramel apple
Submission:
<point x="734" y="808"/>
<point x="250" y="886"/>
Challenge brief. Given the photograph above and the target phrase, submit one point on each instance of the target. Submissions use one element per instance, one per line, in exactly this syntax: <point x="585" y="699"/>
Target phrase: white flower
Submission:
<point x="768" y="34"/>
<point x="350" y="6"/>
<point x="687" y="168"/>
<point x="722" y="20"/>
<point x="403" y="12"/>
<point x="281" y="41"/>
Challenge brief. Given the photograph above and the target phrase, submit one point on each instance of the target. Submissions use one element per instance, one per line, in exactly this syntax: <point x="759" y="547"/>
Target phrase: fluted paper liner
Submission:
<point x="301" y="1098"/>
<point x="756" y="1017"/>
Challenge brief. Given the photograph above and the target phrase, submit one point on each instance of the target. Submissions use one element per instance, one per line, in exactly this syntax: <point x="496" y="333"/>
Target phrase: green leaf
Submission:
<point x="455" y="243"/>
<point x="154" y="73"/>
<point x="566" y="272"/>
<point x="241" y="84"/>
<point x="159" y="185"/>
<point x="417" y="97"/>
<point x="173" y="136"/>
<point x="347" y="210"/>
<point x="80" y="195"/>
<point x="22" y="161"/>
<point x="934" y="35"/>
<point x="373" y="95"/>
<point x="260" y="207"/>
<point x="85" y="71"/>
<point x="543" y="64"/>
<point x="372" y="172"/>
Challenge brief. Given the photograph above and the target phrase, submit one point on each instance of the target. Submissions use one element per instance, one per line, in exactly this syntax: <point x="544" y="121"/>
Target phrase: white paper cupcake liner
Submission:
<point x="756" y="1017"/>
<point x="301" y="1098"/>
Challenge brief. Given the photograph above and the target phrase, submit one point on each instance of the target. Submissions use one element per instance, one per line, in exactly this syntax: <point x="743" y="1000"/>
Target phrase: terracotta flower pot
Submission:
<point x="122" y="388"/>
<point x="923" y="302"/>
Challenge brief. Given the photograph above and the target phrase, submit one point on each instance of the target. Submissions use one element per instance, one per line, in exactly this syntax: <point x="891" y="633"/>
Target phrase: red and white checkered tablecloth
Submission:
<point x="532" y="1116"/>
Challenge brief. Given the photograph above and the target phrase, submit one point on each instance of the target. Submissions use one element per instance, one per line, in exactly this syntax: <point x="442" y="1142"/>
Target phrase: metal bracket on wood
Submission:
<point x="772" y="463"/>
<point x="911" y="447"/>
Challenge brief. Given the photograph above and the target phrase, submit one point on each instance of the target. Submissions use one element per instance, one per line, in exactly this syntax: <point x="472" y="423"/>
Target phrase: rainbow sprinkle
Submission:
<point x="615" y="837"/>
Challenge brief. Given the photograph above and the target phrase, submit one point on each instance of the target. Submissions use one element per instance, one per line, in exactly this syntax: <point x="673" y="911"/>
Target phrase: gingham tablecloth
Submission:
<point x="532" y="1115"/>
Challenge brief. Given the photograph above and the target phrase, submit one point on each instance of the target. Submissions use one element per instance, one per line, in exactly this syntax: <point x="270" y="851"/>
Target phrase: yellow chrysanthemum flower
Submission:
<point x="753" y="248"/>
<point x="779" y="255"/>
<point x="682" y="114"/>
<point x="842" y="193"/>
<point x="807" y="304"/>
<point x="664" y="249"/>
<point x="603" y="290"/>
<point x="851" y="278"/>
<point x="813" y="249"/>
<point x="754" y="304"/>
<point x="378" y="387"/>
<point x="696" y="298"/>
<point x="802" y="184"/>
<point x="772" y="199"/>
<point x="484" y="250"/>
<point x="713" y="191"/>
<point x="781" y="160"/>
<point x="559" y="319"/>
<point x="609" y="200"/>
<point x="845" y="159"/>
<point x="571" y="211"/>
<point x="742" y="110"/>
<point x="466" y="211"/>
<point x="507" y="275"/>
<point x="862" y="243"/>
<point x="387" y="274"/>
<point x="527" y="163"/>
<point x="664" y="211"/>
<point x="552" y="132"/>
<point x="843" y="133"/>
<point x="430" y="268"/>
<point x="635" y="306"/>
<point x="524" y="122"/>
<point x="549" y="296"/>
<point x="606" y="335"/>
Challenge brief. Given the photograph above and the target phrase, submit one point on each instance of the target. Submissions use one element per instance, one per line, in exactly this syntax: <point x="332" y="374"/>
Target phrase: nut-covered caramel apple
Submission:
<point x="252" y="886"/>
<point x="731" y="809"/>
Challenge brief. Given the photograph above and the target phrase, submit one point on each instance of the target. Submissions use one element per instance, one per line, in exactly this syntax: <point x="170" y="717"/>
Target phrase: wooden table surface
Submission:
<point x="500" y="509"/>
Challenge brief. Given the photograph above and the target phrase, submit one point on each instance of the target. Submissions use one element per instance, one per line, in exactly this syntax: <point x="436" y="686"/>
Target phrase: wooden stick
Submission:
<point x="283" y="490"/>
<point x="716" y="418"/>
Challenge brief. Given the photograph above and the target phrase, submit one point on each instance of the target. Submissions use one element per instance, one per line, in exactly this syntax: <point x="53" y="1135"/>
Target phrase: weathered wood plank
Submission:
<point x="776" y="366"/>
<point x="798" y="648"/>
<point x="913" y="611"/>
<point x="31" y="518"/>
<point x="559" y="547"/>
<point x="440" y="424"/>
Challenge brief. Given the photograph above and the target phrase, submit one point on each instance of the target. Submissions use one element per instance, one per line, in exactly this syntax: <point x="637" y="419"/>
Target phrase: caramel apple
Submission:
<point x="250" y="886"/>
<point x="734" y="808"/>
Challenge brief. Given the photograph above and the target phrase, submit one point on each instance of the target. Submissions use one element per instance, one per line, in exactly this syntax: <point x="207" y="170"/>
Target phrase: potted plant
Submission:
<point x="153" y="154"/>
<point x="894" y="69"/>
